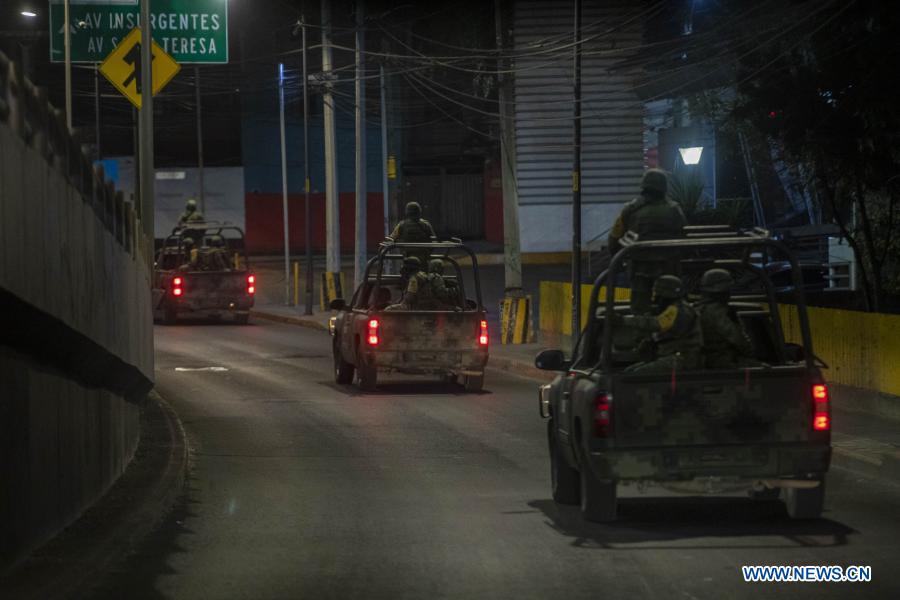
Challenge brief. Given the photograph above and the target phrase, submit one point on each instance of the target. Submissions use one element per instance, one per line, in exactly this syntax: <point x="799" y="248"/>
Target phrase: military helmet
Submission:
<point x="191" y="204"/>
<point x="655" y="180"/>
<point x="412" y="262"/>
<point x="216" y="241"/>
<point x="716" y="281"/>
<point x="188" y="241"/>
<point x="668" y="286"/>
<point x="413" y="210"/>
<point x="436" y="265"/>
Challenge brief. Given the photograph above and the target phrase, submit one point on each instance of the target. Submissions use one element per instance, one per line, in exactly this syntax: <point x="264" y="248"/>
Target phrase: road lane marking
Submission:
<point x="212" y="369"/>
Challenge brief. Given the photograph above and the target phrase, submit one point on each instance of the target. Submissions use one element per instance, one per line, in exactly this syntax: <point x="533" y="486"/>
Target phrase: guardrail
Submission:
<point x="25" y="109"/>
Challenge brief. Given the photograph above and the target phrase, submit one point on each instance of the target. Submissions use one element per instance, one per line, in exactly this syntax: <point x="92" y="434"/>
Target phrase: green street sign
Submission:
<point x="192" y="31"/>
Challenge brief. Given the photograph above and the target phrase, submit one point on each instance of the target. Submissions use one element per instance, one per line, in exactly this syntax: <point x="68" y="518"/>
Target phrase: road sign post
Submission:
<point x="192" y="31"/>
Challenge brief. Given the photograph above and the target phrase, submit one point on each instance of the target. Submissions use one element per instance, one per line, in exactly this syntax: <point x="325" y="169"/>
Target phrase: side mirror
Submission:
<point x="338" y="304"/>
<point x="552" y="360"/>
<point x="794" y="353"/>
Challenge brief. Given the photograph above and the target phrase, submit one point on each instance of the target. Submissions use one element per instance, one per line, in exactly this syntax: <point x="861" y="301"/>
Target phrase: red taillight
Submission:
<point x="372" y="337"/>
<point x="483" y="334"/>
<point x="251" y="284"/>
<point x="821" y="408"/>
<point x="177" y="289"/>
<point x="603" y="415"/>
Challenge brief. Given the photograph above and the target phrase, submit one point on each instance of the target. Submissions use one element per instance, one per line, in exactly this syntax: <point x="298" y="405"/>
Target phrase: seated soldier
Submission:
<point x="443" y="296"/>
<point x="725" y="343"/>
<point x="418" y="292"/>
<point x="214" y="257"/>
<point x="673" y="330"/>
<point x="189" y="253"/>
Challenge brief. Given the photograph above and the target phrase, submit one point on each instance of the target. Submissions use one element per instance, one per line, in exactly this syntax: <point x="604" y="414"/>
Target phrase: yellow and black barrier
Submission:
<point x="515" y="320"/>
<point x="332" y="287"/>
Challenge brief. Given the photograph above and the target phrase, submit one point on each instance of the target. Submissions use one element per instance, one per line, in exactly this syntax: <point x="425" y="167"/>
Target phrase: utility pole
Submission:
<point x="576" y="185"/>
<point x="148" y="178"/>
<point x="512" y="257"/>
<point x="385" y="189"/>
<point x="332" y="206"/>
<point x="136" y="163"/>
<point x="359" y="261"/>
<point x="97" y="153"/>
<point x="306" y="208"/>
<point x="67" y="37"/>
<point x="284" y="187"/>
<point x="200" y="140"/>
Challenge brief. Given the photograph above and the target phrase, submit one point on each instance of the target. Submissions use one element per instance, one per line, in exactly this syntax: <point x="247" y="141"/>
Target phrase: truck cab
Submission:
<point x="764" y="427"/>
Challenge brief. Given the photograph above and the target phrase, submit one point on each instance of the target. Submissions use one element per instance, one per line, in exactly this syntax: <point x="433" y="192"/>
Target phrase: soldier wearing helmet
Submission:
<point x="214" y="257"/>
<point x="418" y="293"/>
<point x="190" y="254"/>
<point x="413" y="228"/>
<point x="190" y="214"/>
<point x="652" y="217"/>
<point x="674" y="334"/>
<point x="442" y="292"/>
<point x="725" y="343"/>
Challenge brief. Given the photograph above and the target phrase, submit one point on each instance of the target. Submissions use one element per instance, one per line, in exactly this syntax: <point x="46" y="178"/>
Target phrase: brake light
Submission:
<point x="372" y="337"/>
<point x="177" y="289"/>
<point x="483" y="334"/>
<point x="251" y="284"/>
<point x="821" y="408"/>
<point x="603" y="415"/>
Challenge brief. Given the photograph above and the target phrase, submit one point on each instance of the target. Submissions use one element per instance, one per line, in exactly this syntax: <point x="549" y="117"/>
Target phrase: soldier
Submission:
<point x="725" y="344"/>
<point x="190" y="214"/>
<point x="439" y="288"/>
<point x="675" y="337"/>
<point x="414" y="229"/>
<point x="190" y="254"/>
<point x="652" y="217"/>
<point x="418" y="294"/>
<point x="215" y="257"/>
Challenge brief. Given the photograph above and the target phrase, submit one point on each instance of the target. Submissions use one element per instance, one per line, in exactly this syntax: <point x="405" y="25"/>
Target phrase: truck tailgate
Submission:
<point x="215" y="284"/>
<point x="429" y="332"/>
<point x="748" y="406"/>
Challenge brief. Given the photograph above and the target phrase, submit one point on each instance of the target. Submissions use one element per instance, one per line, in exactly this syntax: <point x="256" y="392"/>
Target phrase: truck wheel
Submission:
<point x="474" y="383"/>
<point x="170" y="316"/>
<point x="240" y="319"/>
<point x="805" y="503"/>
<point x="368" y="377"/>
<point x="343" y="371"/>
<point x="598" y="498"/>
<point x="564" y="480"/>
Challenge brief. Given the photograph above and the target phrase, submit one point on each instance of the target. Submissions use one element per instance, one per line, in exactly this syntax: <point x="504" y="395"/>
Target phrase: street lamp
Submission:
<point x="28" y="13"/>
<point x="691" y="156"/>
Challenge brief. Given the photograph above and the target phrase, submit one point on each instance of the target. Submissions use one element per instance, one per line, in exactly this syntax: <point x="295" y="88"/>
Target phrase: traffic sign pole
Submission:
<point x="148" y="178"/>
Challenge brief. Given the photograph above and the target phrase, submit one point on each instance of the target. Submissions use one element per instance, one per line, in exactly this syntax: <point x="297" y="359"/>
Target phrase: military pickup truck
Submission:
<point x="210" y="280"/>
<point x="372" y="334"/>
<point x="764" y="428"/>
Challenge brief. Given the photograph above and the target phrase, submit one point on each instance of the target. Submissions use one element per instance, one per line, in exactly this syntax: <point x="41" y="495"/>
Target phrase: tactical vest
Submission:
<point x="653" y="219"/>
<point x="414" y="231"/>
<point x="684" y="335"/>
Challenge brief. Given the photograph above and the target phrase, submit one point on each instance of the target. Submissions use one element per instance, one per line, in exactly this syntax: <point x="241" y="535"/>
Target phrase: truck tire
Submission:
<point x="474" y="383"/>
<point x="598" y="498"/>
<point x="805" y="503"/>
<point x="170" y="316"/>
<point x="343" y="371"/>
<point x="368" y="377"/>
<point x="564" y="480"/>
<point x="240" y="319"/>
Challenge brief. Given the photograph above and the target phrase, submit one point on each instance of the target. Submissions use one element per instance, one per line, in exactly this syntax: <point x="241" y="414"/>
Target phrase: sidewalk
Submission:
<point x="866" y="439"/>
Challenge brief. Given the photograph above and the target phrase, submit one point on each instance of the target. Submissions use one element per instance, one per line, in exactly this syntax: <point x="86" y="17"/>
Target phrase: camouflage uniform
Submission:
<point x="652" y="217"/>
<point x="675" y="331"/>
<point x="418" y="294"/>
<point x="215" y="257"/>
<point x="190" y="254"/>
<point x="725" y="344"/>
<point x="190" y="214"/>
<point x="414" y="229"/>
<point x="439" y="288"/>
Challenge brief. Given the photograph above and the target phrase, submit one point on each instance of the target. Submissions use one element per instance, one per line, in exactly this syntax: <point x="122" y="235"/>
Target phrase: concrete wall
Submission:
<point x="76" y="345"/>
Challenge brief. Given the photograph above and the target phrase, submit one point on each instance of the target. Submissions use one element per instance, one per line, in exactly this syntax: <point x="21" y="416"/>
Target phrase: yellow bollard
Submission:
<point x="296" y="284"/>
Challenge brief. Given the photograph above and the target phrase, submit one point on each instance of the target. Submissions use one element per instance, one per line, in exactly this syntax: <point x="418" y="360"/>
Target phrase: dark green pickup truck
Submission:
<point x="764" y="428"/>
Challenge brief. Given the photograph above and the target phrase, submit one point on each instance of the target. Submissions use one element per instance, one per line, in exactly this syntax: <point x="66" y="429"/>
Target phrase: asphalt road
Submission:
<point x="303" y="489"/>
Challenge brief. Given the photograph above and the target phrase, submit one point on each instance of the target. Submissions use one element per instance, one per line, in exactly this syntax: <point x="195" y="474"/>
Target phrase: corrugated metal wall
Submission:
<point x="612" y="126"/>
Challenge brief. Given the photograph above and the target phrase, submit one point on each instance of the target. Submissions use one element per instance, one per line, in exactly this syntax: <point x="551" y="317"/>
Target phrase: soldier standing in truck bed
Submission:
<point x="652" y="217"/>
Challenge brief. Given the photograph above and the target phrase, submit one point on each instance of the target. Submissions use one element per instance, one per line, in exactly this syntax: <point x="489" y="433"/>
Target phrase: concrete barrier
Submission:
<point x="76" y="331"/>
